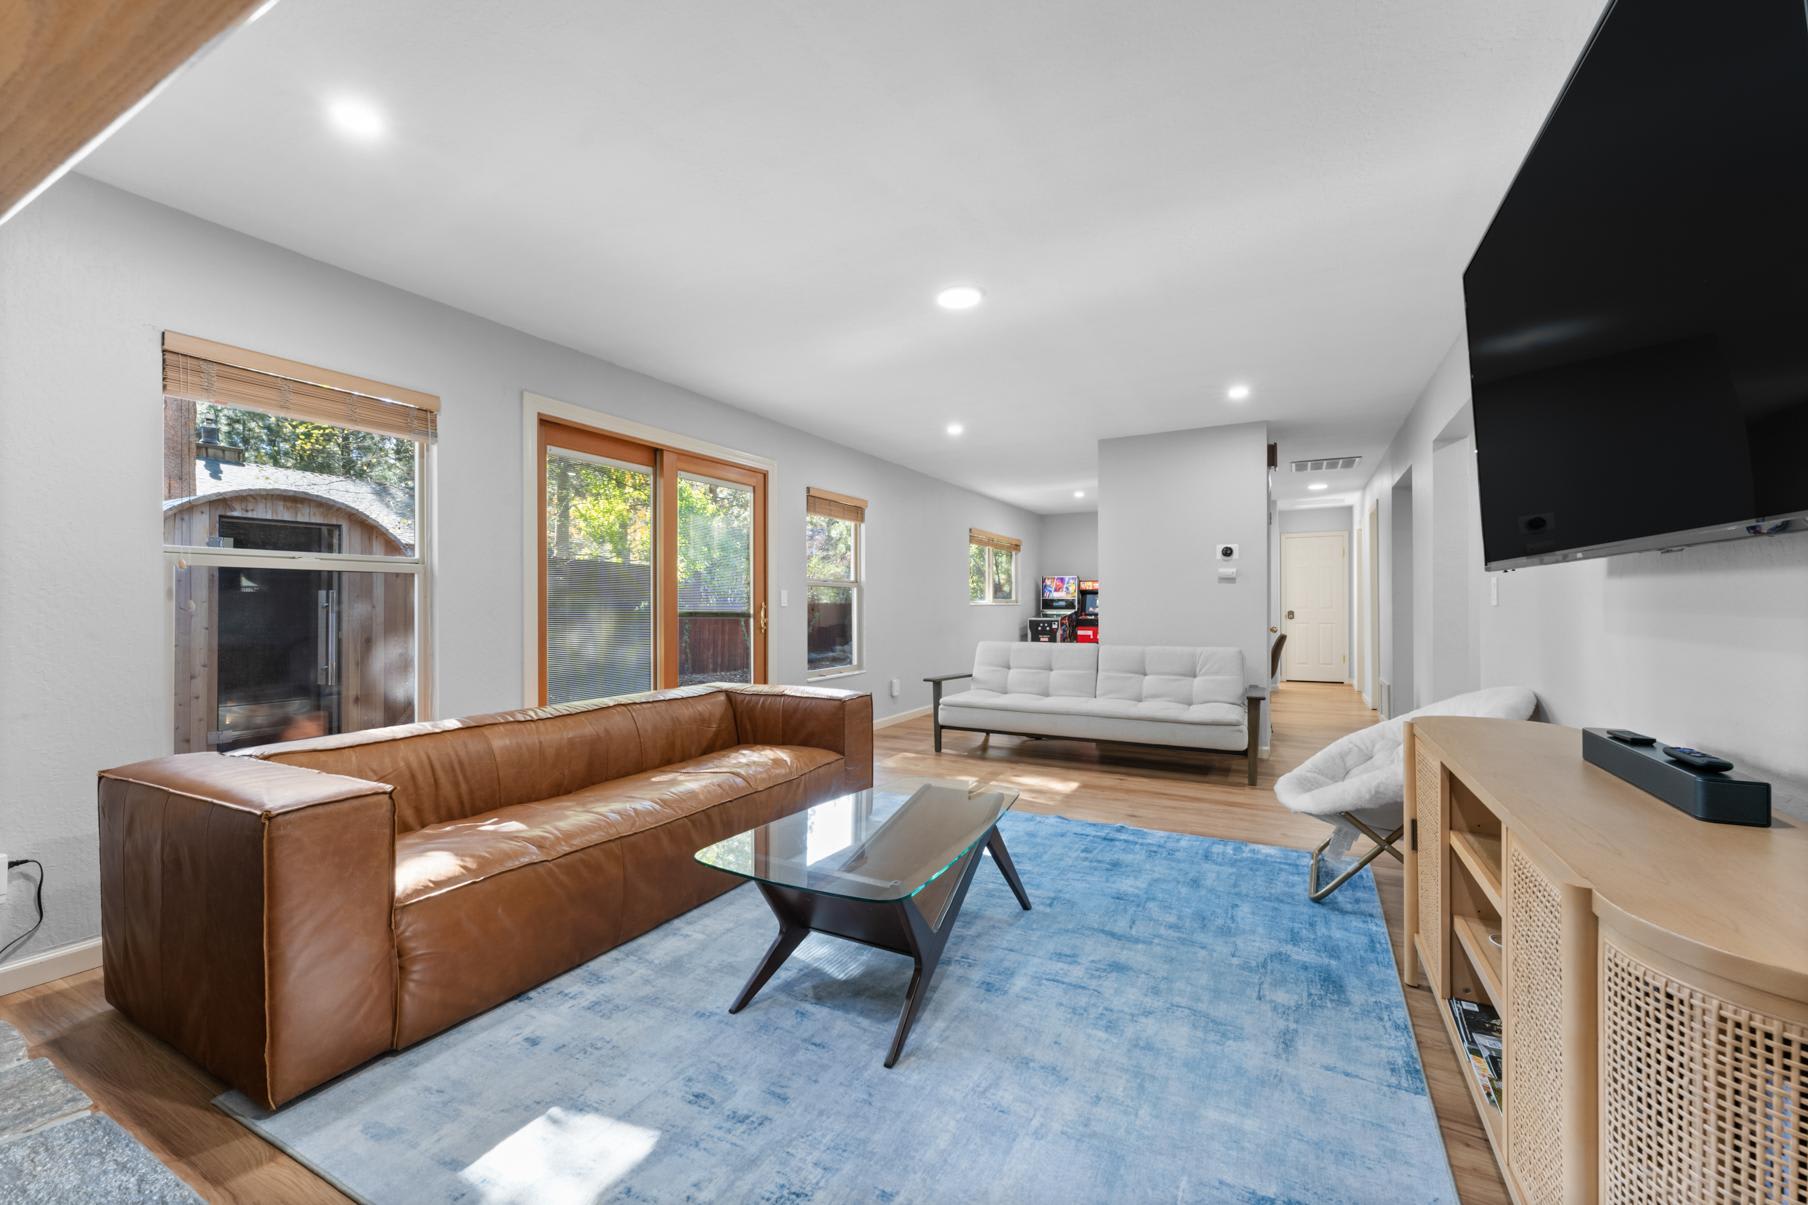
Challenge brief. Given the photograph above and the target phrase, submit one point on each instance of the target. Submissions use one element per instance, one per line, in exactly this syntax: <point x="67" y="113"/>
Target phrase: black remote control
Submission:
<point x="1627" y="736"/>
<point x="1695" y="759"/>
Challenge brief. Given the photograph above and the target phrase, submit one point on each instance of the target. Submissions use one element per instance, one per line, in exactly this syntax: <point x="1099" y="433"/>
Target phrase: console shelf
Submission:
<point x="1651" y="974"/>
<point x="1480" y="853"/>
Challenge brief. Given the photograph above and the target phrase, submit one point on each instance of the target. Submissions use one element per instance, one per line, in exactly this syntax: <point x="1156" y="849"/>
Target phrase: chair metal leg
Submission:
<point x="1383" y="845"/>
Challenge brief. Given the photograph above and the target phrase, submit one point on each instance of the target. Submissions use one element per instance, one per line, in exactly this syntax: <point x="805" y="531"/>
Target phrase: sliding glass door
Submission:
<point x="652" y="567"/>
<point x="716" y="617"/>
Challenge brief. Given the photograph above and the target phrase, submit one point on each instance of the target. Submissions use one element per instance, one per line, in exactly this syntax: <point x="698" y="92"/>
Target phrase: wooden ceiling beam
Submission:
<point x="71" y="69"/>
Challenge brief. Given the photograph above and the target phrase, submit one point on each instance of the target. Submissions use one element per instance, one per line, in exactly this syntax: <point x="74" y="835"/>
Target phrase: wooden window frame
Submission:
<point x="179" y="558"/>
<point x="991" y="541"/>
<point x="830" y="505"/>
<point x="667" y="461"/>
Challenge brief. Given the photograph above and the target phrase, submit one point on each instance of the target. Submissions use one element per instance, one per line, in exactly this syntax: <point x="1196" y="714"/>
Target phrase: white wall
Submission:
<point x="1707" y="646"/>
<point x="1166" y="501"/>
<point x="1070" y="544"/>
<point x="90" y="277"/>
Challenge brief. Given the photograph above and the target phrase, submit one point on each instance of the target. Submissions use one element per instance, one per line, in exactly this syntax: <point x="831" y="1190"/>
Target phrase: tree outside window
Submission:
<point x="991" y="574"/>
<point x="832" y="557"/>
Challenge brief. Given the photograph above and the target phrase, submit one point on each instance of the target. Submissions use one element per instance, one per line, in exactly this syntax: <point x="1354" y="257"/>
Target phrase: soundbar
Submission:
<point x="1720" y="798"/>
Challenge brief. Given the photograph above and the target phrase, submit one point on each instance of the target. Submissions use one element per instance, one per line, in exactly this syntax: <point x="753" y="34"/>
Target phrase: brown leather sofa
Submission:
<point x="284" y="915"/>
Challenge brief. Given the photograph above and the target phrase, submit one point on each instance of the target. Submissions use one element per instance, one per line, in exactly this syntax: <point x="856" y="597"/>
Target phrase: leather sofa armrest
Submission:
<point x="940" y="678"/>
<point x="837" y="720"/>
<point x="246" y="916"/>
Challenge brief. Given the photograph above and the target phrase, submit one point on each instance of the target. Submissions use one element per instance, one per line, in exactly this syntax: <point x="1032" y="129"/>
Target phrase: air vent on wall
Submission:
<point x="1328" y="464"/>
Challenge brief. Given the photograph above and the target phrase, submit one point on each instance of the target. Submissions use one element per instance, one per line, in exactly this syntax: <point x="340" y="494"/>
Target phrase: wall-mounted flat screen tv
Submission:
<point x="1638" y="310"/>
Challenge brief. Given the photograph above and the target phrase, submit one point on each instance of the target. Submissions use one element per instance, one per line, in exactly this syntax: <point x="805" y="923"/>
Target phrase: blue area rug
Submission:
<point x="1174" y="1022"/>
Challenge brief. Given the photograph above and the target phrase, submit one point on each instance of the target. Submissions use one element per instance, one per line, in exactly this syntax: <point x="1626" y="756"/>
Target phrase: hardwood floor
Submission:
<point x="158" y="1096"/>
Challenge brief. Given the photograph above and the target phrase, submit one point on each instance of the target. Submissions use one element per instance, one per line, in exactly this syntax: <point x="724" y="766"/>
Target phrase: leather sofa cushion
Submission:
<point x="463" y="950"/>
<point x="448" y="770"/>
<point x="451" y="854"/>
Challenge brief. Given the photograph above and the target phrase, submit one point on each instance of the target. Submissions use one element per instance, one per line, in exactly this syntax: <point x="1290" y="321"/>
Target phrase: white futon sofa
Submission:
<point x="1186" y="698"/>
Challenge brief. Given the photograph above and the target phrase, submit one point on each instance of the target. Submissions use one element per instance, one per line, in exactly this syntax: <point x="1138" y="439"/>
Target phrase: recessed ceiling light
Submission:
<point x="356" y="119"/>
<point x="1079" y="493"/>
<point x="959" y="297"/>
<point x="955" y="428"/>
<point x="1319" y="485"/>
<point x="1238" y="392"/>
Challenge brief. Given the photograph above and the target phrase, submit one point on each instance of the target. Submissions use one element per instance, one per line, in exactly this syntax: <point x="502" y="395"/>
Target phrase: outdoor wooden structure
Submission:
<point x="373" y="622"/>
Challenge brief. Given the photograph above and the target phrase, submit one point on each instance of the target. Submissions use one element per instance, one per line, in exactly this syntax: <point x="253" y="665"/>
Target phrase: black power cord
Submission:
<point x="20" y="940"/>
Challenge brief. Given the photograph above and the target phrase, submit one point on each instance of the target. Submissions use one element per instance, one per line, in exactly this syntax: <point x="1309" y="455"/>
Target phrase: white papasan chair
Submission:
<point x="1358" y="784"/>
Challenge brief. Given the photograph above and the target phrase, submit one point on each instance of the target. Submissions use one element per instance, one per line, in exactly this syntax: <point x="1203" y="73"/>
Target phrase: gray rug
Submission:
<point x="33" y="1095"/>
<point x="90" y="1159"/>
<point x="53" y="1148"/>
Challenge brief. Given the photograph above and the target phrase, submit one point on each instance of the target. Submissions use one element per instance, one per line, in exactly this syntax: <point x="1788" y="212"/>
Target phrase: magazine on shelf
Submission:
<point x="1479" y="1027"/>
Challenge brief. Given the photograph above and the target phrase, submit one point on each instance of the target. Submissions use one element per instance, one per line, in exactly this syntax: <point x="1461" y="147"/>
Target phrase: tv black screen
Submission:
<point x="1638" y="309"/>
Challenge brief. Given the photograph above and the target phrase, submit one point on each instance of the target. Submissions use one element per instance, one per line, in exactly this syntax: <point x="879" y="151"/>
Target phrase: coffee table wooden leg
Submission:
<point x="913" y="1003"/>
<point x="790" y="935"/>
<point x="1008" y="868"/>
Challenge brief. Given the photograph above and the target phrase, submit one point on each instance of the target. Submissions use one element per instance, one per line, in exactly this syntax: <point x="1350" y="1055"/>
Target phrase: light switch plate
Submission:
<point x="897" y="688"/>
<point x="784" y="598"/>
<point x="1227" y="575"/>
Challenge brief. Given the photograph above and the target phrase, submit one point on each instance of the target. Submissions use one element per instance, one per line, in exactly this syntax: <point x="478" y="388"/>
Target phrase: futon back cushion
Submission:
<point x="1143" y="673"/>
<point x="1050" y="670"/>
<point x="449" y="770"/>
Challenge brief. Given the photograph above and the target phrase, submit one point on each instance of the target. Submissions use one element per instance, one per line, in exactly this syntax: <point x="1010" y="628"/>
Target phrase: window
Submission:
<point x="834" y="525"/>
<point x="991" y="567"/>
<point x="653" y="567"/>
<point x="294" y="530"/>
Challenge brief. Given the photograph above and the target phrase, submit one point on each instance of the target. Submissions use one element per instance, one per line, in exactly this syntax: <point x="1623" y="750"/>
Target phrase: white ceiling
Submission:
<point x="759" y="201"/>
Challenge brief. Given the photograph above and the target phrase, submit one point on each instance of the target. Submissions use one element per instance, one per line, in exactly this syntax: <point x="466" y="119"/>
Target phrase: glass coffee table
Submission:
<point x="888" y="868"/>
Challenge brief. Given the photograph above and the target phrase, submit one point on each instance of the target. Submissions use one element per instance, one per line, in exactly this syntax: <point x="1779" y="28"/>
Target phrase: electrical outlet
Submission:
<point x="897" y="688"/>
<point x="784" y="598"/>
<point x="1493" y="591"/>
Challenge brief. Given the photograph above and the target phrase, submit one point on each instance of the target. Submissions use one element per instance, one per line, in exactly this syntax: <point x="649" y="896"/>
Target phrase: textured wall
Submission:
<point x="90" y="277"/>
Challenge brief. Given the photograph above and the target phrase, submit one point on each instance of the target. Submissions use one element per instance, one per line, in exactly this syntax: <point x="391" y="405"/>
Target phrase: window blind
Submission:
<point x="200" y="371"/>
<point x="831" y="505"/>
<point x="991" y="539"/>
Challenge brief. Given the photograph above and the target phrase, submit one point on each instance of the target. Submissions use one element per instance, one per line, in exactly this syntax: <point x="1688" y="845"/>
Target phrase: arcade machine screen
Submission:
<point x="1060" y="600"/>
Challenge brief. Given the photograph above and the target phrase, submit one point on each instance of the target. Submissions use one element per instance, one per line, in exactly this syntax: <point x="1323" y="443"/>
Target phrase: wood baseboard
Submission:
<point x="51" y="964"/>
<point x="903" y="717"/>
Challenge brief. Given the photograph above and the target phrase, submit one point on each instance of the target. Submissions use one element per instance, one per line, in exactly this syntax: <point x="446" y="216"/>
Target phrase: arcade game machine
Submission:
<point x="1060" y="603"/>
<point x="1086" y="619"/>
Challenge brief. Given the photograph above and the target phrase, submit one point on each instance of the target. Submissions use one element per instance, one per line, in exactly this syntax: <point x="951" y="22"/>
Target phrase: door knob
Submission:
<point x="1290" y="615"/>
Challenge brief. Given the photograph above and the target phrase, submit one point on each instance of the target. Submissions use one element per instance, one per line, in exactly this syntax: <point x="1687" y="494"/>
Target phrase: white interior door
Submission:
<point x="1315" y="606"/>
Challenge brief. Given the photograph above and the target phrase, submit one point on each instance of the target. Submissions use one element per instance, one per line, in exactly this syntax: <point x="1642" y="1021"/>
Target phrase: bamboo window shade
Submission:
<point x="201" y="371"/>
<point x="831" y="505"/>
<point x="991" y="539"/>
